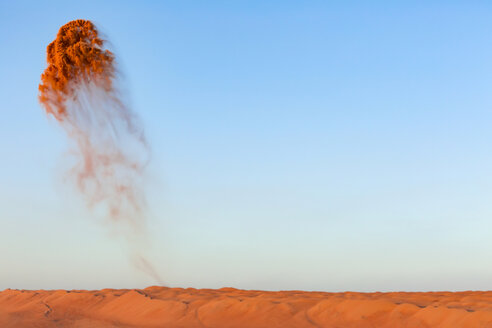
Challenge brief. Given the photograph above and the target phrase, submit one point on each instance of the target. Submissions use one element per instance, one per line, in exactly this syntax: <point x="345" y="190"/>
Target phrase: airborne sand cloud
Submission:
<point x="79" y="88"/>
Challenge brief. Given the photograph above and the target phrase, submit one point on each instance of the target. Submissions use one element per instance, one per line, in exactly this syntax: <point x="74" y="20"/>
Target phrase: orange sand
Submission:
<point x="228" y="307"/>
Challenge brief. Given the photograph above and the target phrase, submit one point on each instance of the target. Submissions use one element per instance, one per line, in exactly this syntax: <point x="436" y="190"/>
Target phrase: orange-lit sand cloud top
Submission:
<point x="228" y="307"/>
<point x="74" y="57"/>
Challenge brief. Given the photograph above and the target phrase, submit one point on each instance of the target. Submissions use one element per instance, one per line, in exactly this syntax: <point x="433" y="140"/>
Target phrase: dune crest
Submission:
<point x="229" y="307"/>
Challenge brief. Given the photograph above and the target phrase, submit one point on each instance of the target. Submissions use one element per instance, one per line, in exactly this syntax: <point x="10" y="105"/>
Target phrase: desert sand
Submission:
<point x="228" y="307"/>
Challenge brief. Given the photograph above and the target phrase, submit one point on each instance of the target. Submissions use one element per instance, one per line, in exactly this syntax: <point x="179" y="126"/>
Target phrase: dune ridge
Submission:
<point x="229" y="307"/>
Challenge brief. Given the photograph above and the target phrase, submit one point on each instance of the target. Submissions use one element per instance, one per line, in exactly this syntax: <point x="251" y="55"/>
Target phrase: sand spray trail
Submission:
<point x="79" y="88"/>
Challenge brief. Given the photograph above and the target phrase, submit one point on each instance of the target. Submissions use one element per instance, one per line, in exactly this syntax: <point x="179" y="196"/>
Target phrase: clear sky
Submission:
<point x="296" y="145"/>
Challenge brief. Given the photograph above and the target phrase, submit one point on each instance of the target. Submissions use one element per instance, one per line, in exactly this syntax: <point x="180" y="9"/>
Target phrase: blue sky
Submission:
<point x="296" y="145"/>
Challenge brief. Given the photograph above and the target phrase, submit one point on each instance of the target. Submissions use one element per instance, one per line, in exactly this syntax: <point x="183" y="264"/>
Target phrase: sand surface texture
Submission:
<point x="227" y="307"/>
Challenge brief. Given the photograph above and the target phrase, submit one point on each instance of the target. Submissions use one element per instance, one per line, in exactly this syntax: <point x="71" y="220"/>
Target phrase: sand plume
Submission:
<point x="79" y="88"/>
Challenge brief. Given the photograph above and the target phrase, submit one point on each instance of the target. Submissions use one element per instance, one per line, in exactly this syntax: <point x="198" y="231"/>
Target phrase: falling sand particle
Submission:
<point x="79" y="89"/>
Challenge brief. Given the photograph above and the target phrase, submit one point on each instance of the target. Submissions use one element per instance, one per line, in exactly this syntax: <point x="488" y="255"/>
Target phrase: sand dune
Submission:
<point x="228" y="307"/>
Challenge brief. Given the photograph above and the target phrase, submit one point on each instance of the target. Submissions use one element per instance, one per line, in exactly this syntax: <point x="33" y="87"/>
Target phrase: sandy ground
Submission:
<point x="228" y="307"/>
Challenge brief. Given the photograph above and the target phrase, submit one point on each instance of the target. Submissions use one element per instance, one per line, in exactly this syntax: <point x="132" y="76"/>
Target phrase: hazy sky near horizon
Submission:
<point x="296" y="145"/>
